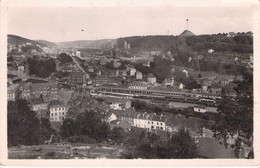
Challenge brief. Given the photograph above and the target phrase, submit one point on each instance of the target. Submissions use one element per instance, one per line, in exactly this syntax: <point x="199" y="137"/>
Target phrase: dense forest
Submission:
<point x="41" y="68"/>
<point x="242" y="43"/>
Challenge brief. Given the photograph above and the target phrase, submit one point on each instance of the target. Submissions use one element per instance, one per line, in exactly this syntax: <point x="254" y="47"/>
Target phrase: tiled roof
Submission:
<point x="39" y="86"/>
<point x="56" y="103"/>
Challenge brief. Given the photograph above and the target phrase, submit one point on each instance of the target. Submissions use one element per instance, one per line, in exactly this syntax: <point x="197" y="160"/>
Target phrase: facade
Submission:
<point x="40" y="107"/>
<point x="181" y="86"/>
<point x="13" y="92"/>
<point x="78" y="54"/>
<point x="150" y="122"/>
<point x="139" y="75"/>
<point x="77" y="79"/>
<point x="39" y="90"/>
<point x="139" y="85"/>
<point x="146" y="121"/>
<point x="58" y="111"/>
<point x="132" y="71"/>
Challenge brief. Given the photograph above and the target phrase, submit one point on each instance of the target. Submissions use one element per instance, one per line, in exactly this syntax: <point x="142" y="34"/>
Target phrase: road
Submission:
<point x="79" y="66"/>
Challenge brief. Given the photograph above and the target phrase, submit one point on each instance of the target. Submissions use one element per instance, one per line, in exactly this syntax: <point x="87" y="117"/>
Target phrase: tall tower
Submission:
<point x="187" y="21"/>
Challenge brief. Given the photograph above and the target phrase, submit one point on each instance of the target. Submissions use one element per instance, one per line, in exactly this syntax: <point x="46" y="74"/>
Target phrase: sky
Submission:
<point x="68" y="23"/>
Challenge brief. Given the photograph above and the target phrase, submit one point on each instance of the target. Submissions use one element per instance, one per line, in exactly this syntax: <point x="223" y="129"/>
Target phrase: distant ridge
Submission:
<point x="48" y="43"/>
<point x="17" y="40"/>
<point x="186" y="33"/>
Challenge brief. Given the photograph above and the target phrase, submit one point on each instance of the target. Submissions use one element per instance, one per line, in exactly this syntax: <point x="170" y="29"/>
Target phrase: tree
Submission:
<point x="64" y="58"/>
<point x="69" y="128"/>
<point x="23" y="125"/>
<point x="117" y="134"/>
<point x="180" y="146"/>
<point x="41" y="68"/>
<point x="88" y="123"/>
<point x="236" y="115"/>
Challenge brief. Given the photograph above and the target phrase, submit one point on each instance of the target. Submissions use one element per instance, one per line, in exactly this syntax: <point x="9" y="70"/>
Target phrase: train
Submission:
<point x="168" y="95"/>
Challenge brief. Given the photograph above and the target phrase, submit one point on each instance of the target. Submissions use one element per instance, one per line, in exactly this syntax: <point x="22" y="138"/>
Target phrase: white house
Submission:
<point x="139" y="75"/>
<point x="58" y="111"/>
<point x="181" y="86"/>
<point x="132" y="71"/>
<point x="150" y="121"/>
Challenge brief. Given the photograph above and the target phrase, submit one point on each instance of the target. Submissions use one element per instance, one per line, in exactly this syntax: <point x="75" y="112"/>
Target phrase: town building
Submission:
<point x="168" y="82"/>
<point x="148" y="121"/>
<point x="139" y="85"/>
<point x="151" y="78"/>
<point x="139" y="75"/>
<point x="45" y="91"/>
<point x="77" y="79"/>
<point x="118" y="104"/>
<point x="13" y="92"/>
<point x="40" y="107"/>
<point x="181" y="86"/>
<point x="66" y="69"/>
<point x="58" y="111"/>
<point x="132" y="71"/>
<point x="78" y="54"/>
<point x="215" y="88"/>
<point x="91" y="69"/>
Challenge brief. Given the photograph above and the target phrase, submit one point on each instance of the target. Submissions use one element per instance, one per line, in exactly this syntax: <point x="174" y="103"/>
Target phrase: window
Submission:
<point x="55" y="114"/>
<point x="152" y="122"/>
<point x="52" y="114"/>
<point x="161" y="128"/>
<point x="148" y="122"/>
<point x="157" y="123"/>
<point x="161" y="123"/>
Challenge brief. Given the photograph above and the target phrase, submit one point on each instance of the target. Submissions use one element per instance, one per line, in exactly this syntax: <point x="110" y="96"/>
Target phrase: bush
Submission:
<point x="50" y="155"/>
<point x="80" y="138"/>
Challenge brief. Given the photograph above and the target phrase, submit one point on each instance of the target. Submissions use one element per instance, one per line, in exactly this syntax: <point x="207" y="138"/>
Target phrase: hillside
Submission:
<point x="95" y="44"/>
<point x="186" y="33"/>
<point x="48" y="43"/>
<point x="17" y="40"/>
<point x="148" y="43"/>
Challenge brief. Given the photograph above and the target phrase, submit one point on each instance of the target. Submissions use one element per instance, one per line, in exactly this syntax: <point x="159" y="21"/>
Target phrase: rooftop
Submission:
<point x="116" y="100"/>
<point x="56" y="103"/>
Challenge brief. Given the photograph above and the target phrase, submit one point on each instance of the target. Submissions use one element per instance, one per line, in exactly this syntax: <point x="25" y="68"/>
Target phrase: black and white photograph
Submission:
<point x="110" y="81"/>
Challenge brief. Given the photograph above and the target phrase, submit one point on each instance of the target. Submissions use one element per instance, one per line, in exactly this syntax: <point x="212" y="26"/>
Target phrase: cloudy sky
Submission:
<point x="87" y="23"/>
